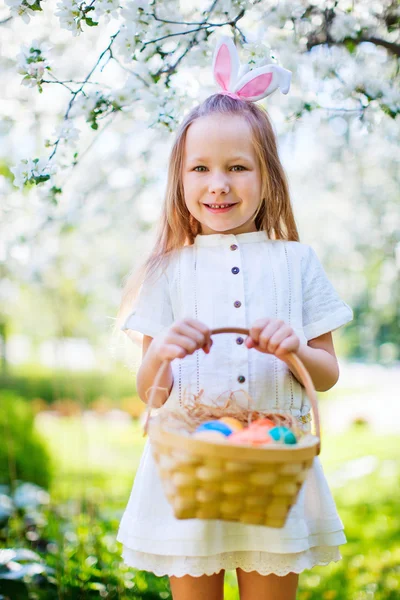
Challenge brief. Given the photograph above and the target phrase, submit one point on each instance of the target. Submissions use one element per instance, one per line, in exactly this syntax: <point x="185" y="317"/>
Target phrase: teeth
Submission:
<point x="219" y="205"/>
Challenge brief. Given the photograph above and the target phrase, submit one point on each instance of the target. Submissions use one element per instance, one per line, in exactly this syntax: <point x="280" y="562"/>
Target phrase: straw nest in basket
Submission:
<point x="194" y="412"/>
<point x="205" y="480"/>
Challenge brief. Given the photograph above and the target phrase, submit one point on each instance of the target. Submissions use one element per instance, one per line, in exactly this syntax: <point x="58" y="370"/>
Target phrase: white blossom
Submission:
<point x="257" y="54"/>
<point x="391" y="97"/>
<point x="70" y="15"/>
<point x="21" y="8"/>
<point x="126" y="42"/>
<point x="344" y="25"/>
<point x="164" y="105"/>
<point x="27" y="170"/>
<point x="134" y="12"/>
<point x="278" y="15"/>
<point x="106" y="8"/>
<point x="84" y="104"/>
<point x="132" y="8"/>
<point x="225" y="9"/>
<point x="67" y="133"/>
<point x="143" y="55"/>
<point x="32" y="63"/>
<point x="128" y="94"/>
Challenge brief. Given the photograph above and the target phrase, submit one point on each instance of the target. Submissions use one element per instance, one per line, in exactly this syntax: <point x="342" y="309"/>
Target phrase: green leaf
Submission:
<point x="350" y="46"/>
<point x="41" y="178"/>
<point x="90" y="22"/>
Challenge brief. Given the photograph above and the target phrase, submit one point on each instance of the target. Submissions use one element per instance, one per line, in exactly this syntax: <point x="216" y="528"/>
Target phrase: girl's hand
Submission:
<point x="272" y="336"/>
<point x="182" y="338"/>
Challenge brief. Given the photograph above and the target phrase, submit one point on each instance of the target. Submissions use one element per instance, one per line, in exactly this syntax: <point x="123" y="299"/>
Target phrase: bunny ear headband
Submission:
<point x="241" y="82"/>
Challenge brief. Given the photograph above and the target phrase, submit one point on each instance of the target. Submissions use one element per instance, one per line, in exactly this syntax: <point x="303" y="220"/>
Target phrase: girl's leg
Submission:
<point x="206" y="587"/>
<point x="266" y="587"/>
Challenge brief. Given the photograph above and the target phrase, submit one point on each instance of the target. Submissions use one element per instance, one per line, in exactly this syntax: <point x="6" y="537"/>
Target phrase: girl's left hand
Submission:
<point x="272" y="336"/>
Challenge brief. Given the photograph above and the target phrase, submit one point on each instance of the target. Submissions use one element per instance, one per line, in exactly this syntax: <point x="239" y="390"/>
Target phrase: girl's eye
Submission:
<point x="235" y="168"/>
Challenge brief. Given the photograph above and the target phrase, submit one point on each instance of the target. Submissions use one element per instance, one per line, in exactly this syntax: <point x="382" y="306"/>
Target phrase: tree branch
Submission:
<point x="6" y="20"/>
<point x="392" y="47"/>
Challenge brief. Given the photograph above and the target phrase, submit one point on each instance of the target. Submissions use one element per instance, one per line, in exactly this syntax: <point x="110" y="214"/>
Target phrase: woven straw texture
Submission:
<point x="251" y="485"/>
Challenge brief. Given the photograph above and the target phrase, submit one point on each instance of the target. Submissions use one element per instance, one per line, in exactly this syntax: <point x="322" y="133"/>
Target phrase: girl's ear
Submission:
<point x="261" y="82"/>
<point x="225" y="64"/>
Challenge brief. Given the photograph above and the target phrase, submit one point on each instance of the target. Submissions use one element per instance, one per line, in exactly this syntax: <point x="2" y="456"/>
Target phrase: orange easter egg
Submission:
<point x="233" y="423"/>
<point x="259" y="436"/>
<point x="255" y="437"/>
<point x="263" y="423"/>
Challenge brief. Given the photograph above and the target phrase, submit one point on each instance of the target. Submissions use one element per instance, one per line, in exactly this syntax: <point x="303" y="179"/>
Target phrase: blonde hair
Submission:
<point x="177" y="227"/>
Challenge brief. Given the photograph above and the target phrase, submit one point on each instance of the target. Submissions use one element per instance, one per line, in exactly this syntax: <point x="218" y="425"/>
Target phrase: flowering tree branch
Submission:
<point x="153" y="41"/>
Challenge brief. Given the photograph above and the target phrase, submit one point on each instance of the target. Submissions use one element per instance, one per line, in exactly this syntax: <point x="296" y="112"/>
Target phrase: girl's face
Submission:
<point x="220" y="168"/>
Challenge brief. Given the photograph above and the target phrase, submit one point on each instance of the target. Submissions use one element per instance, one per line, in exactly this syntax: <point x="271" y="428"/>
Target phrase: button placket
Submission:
<point x="239" y="352"/>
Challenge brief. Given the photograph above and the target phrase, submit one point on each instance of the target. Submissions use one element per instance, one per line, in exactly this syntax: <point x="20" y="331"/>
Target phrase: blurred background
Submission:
<point x="90" y="98"/>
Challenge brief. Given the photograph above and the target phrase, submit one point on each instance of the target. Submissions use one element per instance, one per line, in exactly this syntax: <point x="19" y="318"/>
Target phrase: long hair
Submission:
<point x="177" y="227"/>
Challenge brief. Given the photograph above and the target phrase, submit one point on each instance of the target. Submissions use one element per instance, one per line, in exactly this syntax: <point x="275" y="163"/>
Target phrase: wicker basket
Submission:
<point x="252" y="485"/>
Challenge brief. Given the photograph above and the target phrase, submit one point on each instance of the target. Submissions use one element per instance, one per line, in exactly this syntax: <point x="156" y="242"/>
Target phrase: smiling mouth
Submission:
<point x="219" y="207"/>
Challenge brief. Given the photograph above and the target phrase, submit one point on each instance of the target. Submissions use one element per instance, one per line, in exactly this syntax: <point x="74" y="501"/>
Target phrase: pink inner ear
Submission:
<point x="256" y="86"/>
<point x="222" y="69"/>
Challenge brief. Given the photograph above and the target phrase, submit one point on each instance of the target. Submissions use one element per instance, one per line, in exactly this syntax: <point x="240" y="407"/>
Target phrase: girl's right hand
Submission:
<point x="182" y="338"/>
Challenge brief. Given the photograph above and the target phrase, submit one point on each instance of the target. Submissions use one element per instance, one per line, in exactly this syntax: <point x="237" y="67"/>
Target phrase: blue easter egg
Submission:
<point x="283" y="434"/>
<point x="215" y="426"/>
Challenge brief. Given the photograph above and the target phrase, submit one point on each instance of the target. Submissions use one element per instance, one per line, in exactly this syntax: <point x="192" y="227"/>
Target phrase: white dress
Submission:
<point x="232" y="280"/>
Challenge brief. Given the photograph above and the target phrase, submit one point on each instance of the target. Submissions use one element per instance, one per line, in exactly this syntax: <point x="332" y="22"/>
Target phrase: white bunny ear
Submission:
<point x="261" y="82"/>
<point x="243" y="70"/>
<point x="226" y="64"/>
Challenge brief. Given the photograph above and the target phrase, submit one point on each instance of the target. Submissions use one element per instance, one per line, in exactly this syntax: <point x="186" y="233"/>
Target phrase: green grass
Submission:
<point x="101" y="459"/>
<point x="92" y="454"/>
<point x="86" y="451"/>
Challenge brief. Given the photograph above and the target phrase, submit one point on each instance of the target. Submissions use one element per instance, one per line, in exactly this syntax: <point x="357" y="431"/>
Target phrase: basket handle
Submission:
<point x="292" y="359"/>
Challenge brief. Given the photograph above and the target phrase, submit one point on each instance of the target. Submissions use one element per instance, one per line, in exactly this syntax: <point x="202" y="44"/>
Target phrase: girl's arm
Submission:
<point x="182" y="338"/>
<point x="273" y="336"/>
<point x="147" y="372"/>
<point x="320" y="360"/>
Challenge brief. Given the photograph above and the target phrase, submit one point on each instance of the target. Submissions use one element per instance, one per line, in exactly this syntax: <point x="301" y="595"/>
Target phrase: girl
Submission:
<point x="228" y="254"/>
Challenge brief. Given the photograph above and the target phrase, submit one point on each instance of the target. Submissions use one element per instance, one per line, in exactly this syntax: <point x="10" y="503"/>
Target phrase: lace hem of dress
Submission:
<point x="264" y="563"/>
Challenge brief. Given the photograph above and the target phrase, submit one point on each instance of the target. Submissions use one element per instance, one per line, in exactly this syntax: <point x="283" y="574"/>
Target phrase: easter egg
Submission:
<point x="210" y="436"/>
<point x="263" y="423"/>
<point x="233" y="423"/>
<point x="215" y="426"/>
<point x="253" y="437"/>
<point x="239" y="437"/>
<point x="283" y="434"/>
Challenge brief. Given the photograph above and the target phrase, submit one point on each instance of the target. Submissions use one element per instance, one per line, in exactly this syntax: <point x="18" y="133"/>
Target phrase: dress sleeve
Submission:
<point x="323" y="310"/>
<point x="152" y="309"/>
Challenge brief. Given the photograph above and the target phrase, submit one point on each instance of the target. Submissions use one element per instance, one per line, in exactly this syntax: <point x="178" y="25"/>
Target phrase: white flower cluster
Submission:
<point x="282" y="12"/>
<point x="32" y="171"/>
<point x="67" y="133"/>
<point x="21" y="8"/>
<point x="224" y="9"/>
<point x="94" y="104"/>
<point x="229" y="9"/>
<point x="106" y="8"/>
<point x="135" y="25"/>
<point x="344" y="25"/>
<point x="127" y="41"/>
<point x="71" y="14"/>
<point x="32" y="63"/>
<point x="163" y="105"/>
<point x="128" y="94"/>
<point x="257" y="54"/>
<point x="85" y="103"/>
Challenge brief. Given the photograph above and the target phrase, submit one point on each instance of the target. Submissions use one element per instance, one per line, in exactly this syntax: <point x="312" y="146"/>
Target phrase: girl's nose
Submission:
<point x="218" y="184"/>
